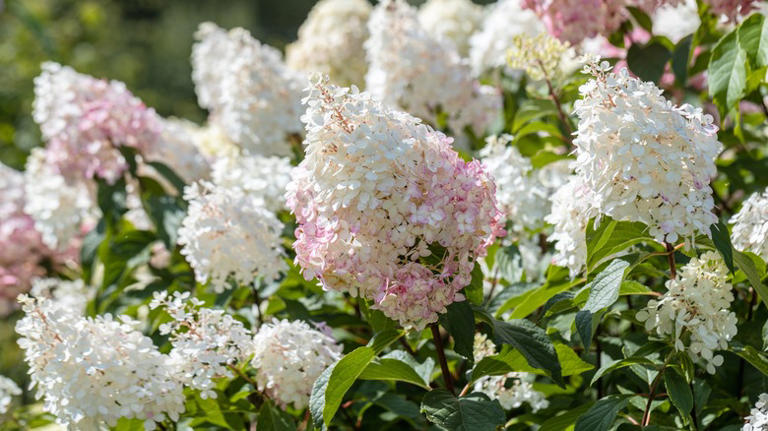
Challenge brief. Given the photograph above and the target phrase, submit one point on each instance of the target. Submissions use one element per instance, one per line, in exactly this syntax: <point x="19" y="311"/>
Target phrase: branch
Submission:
<point x="441" y="357"/>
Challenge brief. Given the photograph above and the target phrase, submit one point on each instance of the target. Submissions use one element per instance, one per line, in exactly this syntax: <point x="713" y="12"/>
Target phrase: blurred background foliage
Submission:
<point x="144" y="43"/>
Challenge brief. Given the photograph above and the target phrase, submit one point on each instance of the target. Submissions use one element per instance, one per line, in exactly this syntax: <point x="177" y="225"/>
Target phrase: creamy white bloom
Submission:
<point x="758" y="416"/>
<point x="644" y="158"/>
<point x="265" y="178"/>
<point x="289" y="357"/>
<point x="177" y="149"/>
<point x="497" y="388"/>
<point x="59" y="207"/>
<point x="250" y="93"/>
<point x="522" y="193"/>
<point x="8" y="389"/>
<point x="572" y="207"/>
<point x="750" y="225"/>
<point x="695" y="310"/>
<point x="423" y="76"/>
<point x="331" y="41"/>
<point x="676" y="21"/>
<point x="69" y="295"/>
<point x="228" y="233"/>
<point x="451" y="20"/>
<point x="204" y="341"/>
<point x="93" y="371"/>
<point x="503" y="21"/>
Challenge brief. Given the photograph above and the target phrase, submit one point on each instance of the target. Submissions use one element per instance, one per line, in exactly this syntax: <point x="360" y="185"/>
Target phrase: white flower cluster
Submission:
<point x="676" y="21"/>
<point x="644" y="158"/>
<point x="60" y="208"/>
<point x="695" y="310"/>
<point x="228" y="232"/>
<point x="750" y="225"/>
<point x="71" y="296"/>
<point x="8" y="389"/>
<point x="572" y="208"/>
<point x="93" y="371"/>
<point x="177" y="149"/>
<point x="264" y="178"/>
<point x="522" y="193"/>
<point x="425" y="77"/>
<point x="375" y="191"/>
<point x="504" y="20"/>
<point x="758" y="416"/>
<point x="247" y="88"/>
<point x="453" y="21"/>
<point x="205" y="341"/>
<point x="331" y="41"/>
<point x="289" y="357"/>
<point x="510" y="396"/>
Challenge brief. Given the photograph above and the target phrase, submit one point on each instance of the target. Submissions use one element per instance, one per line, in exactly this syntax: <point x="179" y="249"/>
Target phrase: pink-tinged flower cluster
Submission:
<point x="576" y="20"/>
<point x="84" y="120"/>
<point x="732" y="9"/>
<point x="22" y="251"/>
<point x="385" y="208"/>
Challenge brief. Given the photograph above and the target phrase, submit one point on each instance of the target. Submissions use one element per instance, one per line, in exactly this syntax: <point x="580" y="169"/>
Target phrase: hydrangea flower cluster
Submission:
<point x="576" y="20"/>
<point x="229" y="233"/>
<point x="750" y="225"/>
<point x="505" y="20"/>
<point x="541" y="57"/>
<point x="732" y="9"/>
<point x="644" y="158"/>
<point x="205" y="341"/>
<point x="676" y="21"/>
<point x="22" y="251"/>
<point x="84" y="120"/>
<point x="264" y="178"/>
<point x="61" y="208"/>
<point x="177" y="148"/>
<point x="523" y="194"/>
<point x="8" y="389"/>
<point x="497" y="387"/>
<point x="289" y="357"/>
<point x="453" y="21"/>
<point x="758" y="416"/>
<point x="409" y="69"/>
<point x="91" y="371"/>
<point x="249" y="91"/>
<point x="695" y="310"/>
<point x="331" y="41"/>
<point x="572" y="207"/>
<point x="69" y="295"/>
<point x="377" y="192"/>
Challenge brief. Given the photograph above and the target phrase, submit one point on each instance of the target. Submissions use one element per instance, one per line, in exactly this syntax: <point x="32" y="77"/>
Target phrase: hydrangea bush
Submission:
<point x="531" y="215"/>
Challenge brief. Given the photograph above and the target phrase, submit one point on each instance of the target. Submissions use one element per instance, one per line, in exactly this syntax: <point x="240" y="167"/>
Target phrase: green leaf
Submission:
<point x="570" y="362"/>
<point x="680" y="59"/>
<point x="621" y="363"/>
<point x="273" y="419"/>
<point x="459" y="321"/>
<point x="604" y="289"/>
<point x="474" y="412"/>
<point x="602" y="414"/>
<point x="647" y="62"/>
<point x="679" y="392"/>
<point x="748" y="263"/>
<point x="111" y="199"/>
<point x="753" y="39"/>
<point x="612" y="237"/>
<point x="474" y="291"/>
<point x="394" y="370"/>
<point x="583" y="321"/>
<point x="727" y="73"/>
<point x="532" y="342"/>
<point x="167" y="213"/>
<point x="751" y="355"/>
<point x="722" y="240"/>
<point x="329" y="389"/>
<point x="167" y="173"/>
<point x="566" y="421"/>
